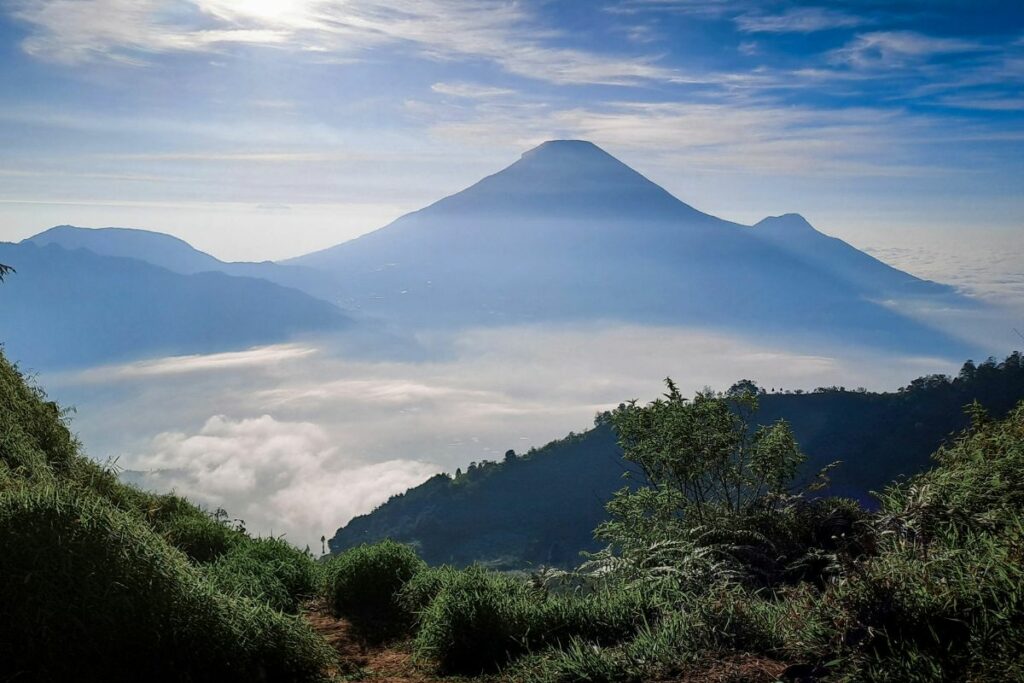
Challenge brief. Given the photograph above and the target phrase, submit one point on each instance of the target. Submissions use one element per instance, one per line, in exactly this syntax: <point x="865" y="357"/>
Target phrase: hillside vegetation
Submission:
<point x="540" y="507"/>
<point x="723" y="562"/>
<point x="101" y="581"/>
<point x="719" y="570"/>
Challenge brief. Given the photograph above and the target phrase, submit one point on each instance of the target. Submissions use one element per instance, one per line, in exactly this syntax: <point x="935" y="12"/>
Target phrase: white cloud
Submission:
<point x="75" y="31"/>
<point x="888" y="49"/>
<point x="280" y="477"/>
<point x="797" y="20"/>
<point x="177" y="365"/>
<point x="750" y="136"/>
<point x="469" y="90"/>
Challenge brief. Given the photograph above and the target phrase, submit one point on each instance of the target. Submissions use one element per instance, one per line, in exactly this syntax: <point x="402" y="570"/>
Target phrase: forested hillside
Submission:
<point x="541" y="507"/>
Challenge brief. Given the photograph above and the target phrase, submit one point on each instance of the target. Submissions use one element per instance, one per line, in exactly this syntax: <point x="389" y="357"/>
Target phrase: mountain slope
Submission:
<point x="570" y="233"/>
<point x="794" y="234"/>
<point x="179" y="256"/>
<point x="66" y="308"/>
<point x="542" y="507"/>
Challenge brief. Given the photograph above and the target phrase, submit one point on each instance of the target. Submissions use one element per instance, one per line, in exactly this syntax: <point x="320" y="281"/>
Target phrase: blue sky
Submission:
<point x="266" y="128"/>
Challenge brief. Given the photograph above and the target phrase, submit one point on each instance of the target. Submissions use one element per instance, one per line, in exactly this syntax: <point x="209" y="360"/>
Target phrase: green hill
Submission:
<point x="541" y="507"/>
<point x="100" y="581"/>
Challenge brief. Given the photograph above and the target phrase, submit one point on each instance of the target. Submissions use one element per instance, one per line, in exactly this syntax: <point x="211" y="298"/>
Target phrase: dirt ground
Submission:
<point x="361" y="660"/>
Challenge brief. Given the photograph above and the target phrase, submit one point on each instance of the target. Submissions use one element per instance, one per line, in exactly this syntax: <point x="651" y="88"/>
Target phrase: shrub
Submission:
<point x="198" y="535"/>
<point x="476" y="623"/>
<point x="268" y="570"/>
<point x="951" y="614"/>
<point x="480" y="620"/>
<point x="602" y="618"/>
<point x="703" y="631"/>
<point x="362" y="585"/>
<point x="91" y="593"/>
<point x="419" y="591"/>
<point x="34" y="439"/>
<point x="577" y="662"/>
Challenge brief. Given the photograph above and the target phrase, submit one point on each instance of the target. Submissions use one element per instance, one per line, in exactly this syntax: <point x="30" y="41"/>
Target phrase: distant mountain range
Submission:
<point x="73" y="307"/>
<point x="542" y="507"/>
<point x="567" y="233"/>
<point x="179" y="256"/>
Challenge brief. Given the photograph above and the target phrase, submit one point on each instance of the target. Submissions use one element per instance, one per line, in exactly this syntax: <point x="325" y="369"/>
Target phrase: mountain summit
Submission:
<point x="567" y="179"/>
<point x="569" y="232"/>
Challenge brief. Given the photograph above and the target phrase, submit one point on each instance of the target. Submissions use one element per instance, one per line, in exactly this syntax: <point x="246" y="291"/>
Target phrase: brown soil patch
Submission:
<point x="360" y="660"/>
<point x="745" y="668"/>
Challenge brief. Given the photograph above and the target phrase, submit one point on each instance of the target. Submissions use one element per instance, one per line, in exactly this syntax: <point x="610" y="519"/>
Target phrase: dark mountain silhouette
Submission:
<point x="67" y="308"/>
<point x="541" y="507"/>
<point x="179" y="256"/>
<point x="568" y="232"/>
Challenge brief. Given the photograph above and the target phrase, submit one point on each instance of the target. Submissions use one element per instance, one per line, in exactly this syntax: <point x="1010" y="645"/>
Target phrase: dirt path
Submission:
<point x="362" y="661"/>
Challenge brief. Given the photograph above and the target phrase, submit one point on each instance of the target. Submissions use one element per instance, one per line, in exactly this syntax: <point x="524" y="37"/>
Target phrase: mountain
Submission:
<point x="795" y="235"/>
<point x="72" y="307"/>
<point x="179" y="256"/>
<point x="541" y="507"/>
<point x="568" y="232"/>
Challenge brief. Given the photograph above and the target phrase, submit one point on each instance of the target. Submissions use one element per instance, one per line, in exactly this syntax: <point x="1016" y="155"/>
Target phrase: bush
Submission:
<point x="476" y="623"/>
<point x="91" y="593"/>
<point x="419" y="591"/>
<point x="268" y="570"/>
<point x="34" y="439"/>
<point x="362" y="585"/>
<point x="481" y="620"/>
<point x="954" y="613"/>
<point x="198" y="535"/>
<point x="703" y="632"/>
<point x="603" y="618"/>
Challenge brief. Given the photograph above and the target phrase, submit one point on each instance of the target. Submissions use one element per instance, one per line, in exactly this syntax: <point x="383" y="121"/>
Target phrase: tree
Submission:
<point x="5" y="270"/>
<point x="701" y="460"/>
<point x="718" y="501"/>
<point x="510" y="456"/>
<point x="744" y="386"/>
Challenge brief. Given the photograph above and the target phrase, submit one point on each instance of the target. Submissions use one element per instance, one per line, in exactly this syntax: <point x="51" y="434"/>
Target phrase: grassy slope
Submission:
<point x="101" y="581"/>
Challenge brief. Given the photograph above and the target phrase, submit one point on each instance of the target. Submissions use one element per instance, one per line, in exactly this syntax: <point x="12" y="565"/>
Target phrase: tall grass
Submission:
<point x="268" y="570"/>
<point x="363" y="585"/>
<point x="101" y="581"/>
<point x="91" y="593"/>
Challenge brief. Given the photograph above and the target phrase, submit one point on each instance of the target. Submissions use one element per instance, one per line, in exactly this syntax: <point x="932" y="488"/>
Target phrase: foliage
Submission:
<point x="542" y="508"/>
<point x="475" y="623"/>
<point x="481" y="620"/>
<point x="268" y="570"/>
<point x="91" y="593"/>
<point x="704" y="457"/>
<point x="363" y="584"/>
<point x="92" y="586"/>
<point x="199" y="535"/>
<point x="715" y="504"/>
<point x="419" y="591"/>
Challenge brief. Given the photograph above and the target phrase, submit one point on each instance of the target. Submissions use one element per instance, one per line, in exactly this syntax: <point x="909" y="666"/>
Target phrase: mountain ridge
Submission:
<point x="175" y="254"/>
<point x="540" y="508"/>
<point x="72" y="307"/>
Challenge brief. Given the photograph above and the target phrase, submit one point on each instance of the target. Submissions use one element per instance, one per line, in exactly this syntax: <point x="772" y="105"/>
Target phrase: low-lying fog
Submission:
<point x="296" y="439"/>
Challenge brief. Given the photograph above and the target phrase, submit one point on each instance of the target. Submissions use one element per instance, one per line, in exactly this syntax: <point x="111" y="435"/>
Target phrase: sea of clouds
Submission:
<point x="298" y="438"/>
